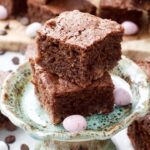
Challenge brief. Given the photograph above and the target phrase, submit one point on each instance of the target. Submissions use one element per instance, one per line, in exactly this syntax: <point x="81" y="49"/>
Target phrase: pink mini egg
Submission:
<point x="3" y="12"/>
<point x="122" y="97"/>
<point x="75" y="123"/>
<point x="130" y="28"/>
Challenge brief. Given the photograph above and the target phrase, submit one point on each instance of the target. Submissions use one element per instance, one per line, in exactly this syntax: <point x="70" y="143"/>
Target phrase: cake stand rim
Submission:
<point x="41" y="135"/>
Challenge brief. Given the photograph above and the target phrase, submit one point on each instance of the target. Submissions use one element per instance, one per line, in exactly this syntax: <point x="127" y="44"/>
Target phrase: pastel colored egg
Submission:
<point x="3" y="146"/>
<point x="75" y="123"/>
<point x="32" y="29"/>
<point x="122" y="97"/>
<point x="130" y="28"/>
<point x="3" y="12"/>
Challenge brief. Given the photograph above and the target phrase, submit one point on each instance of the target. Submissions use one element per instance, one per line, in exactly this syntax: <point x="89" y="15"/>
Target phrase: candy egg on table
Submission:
<point x="130" y="28"/>
<point x="32" y="29"/>
<point x="3" y="12"/>
<point x="75" y="123"/>
<point x="122" y="97"/>
<point x="3" y="146"/>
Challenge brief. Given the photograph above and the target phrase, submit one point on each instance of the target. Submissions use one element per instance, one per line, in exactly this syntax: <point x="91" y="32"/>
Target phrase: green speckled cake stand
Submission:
<point x="20" y="104"/>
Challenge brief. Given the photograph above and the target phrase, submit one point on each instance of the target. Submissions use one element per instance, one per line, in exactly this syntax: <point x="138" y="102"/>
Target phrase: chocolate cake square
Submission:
<point x="61" y="98"/>
<point x="52" y="8"/>
<point x="139" y="133"/>
<point x="120" y="11"/>
<point x="15" y="7"/>
<point x="79" y="47"/>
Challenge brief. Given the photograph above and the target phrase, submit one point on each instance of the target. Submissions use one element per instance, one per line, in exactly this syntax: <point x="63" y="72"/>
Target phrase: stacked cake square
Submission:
<point x="75" y="51"/>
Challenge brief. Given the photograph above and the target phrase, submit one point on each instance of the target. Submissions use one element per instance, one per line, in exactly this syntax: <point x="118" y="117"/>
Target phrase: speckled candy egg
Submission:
<point x="130" y="28"/>
<point x="32" y="29"/>
<point x="3" y="146"/>
<point x="3" y="12"/>
<point x="122" y="97"/>
<point x="75" y="123"/>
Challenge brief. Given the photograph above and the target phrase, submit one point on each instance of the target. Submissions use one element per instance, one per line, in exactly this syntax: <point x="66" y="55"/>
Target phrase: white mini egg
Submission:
<point x="32" y="29"/>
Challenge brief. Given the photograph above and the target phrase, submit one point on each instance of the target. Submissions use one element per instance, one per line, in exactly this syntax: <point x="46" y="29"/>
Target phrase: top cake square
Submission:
<point x="79" y="47"/>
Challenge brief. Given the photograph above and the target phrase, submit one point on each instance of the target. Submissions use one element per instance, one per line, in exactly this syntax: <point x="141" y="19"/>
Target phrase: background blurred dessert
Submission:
<point x="42" y="12"/>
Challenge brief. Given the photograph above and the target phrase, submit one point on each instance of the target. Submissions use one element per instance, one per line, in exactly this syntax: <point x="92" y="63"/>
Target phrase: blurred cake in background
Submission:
<point x="133" y="11"/>
<point x="139" y="133"/>
<point x="120" y="11"/>
<point x="143" y="4"/>
<point x="44" y="10"/>
<point x="139" y="130"/>
<point x="14" y="7"/>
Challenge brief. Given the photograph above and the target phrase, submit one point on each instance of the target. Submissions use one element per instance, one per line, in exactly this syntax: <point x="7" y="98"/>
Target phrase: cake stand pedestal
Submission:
<point x="20" y="104"/>
<point x="88" y="145"/>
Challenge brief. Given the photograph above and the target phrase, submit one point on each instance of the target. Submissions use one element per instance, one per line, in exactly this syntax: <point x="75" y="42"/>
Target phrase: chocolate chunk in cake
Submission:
<point x="42" y="13"/>
<point x="79" y="47"/>
<point x="14" y="7"/>
<point x="120" y="11"/>
<point x="62" y="98"/>
<point x="139" y="133"/>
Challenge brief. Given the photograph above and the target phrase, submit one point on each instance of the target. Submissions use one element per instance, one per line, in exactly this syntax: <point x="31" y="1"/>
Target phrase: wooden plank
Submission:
<point x="16" y="38"/>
